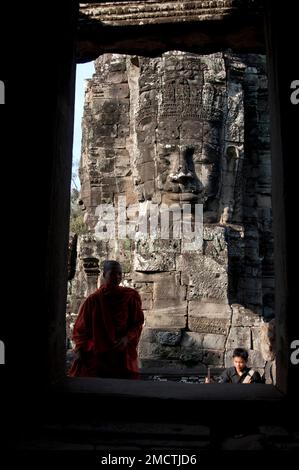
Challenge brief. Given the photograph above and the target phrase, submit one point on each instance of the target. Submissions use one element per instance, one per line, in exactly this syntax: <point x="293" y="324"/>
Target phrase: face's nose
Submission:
<point x="181" y="176"/>
<point x="182" y="171"/>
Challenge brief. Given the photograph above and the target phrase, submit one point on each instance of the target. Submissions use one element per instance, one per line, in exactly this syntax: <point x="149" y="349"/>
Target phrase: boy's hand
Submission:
<point x="209" y="381"/>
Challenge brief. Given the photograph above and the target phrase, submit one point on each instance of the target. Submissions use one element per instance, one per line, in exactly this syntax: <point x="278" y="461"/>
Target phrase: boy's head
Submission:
<point x="240" y="358"/>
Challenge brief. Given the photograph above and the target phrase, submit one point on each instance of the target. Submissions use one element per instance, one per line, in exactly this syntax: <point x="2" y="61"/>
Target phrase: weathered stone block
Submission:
<point x="205" y="276"/>
<point x="213" y="357"/>
<point x="208" y="325"/>
<point x="117" y="77"/>
<point x="203" y="341"/>
<point x="148" y="277"/>
<point x="125" y="185"/>
<point x="118" y="90"/>
<point x="146" y="171"/>
<point x="171" y="337"/>
<point x="108" y="130"/>
<point x="264" y="340"/>
<point x="148" y="190"/>
<point x="172" y="317"/>
<point x="147" y="300"/>
<point x="190" y="357"/>
<point x="198" y="308"/>
<point x="153" y="262"/>
<point x="256" y="337"/>
<point x="256" y="359"/>
<point x="244" y="317"/>
<point x="239" y="337"/>
<point x="155" y="255"/>
<point x="144" y="287"/>
<point x="168" y="291"/>
<point x="155" y="350"/>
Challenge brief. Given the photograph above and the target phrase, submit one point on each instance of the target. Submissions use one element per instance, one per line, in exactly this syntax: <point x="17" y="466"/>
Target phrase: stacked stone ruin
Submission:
<point x="179" y="129"/>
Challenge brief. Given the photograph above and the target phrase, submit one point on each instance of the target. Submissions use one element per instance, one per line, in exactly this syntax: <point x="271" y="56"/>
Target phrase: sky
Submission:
<point x="83" y="72"/>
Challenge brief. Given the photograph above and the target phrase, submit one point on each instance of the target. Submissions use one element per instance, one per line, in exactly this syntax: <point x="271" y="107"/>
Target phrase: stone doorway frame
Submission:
<point x="116" y="389"/>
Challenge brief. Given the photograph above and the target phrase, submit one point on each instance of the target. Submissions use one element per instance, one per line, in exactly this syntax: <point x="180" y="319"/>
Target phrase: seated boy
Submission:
<point x="239" y="373"/>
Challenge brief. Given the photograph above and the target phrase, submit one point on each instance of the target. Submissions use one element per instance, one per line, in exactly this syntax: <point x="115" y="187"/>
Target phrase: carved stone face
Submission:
<point x="188" y="172"/>
<point x="179" y="135"/>
<point x="186" y="164"/>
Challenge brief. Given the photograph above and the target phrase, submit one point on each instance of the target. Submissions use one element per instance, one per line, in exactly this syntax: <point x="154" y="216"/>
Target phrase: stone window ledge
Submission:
<point x="131" y="389"/>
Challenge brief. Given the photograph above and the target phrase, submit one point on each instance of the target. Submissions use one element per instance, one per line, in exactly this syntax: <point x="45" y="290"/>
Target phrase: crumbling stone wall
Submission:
<point x="183" y="129"/>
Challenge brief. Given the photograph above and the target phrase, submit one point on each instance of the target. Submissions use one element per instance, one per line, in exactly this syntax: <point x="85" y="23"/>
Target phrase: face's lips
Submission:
<point x="184" y="196"/>
<point x="176" y="187"/>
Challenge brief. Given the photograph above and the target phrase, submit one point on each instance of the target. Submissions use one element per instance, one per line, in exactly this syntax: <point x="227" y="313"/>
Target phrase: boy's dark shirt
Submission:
<point x="230" y="375"/>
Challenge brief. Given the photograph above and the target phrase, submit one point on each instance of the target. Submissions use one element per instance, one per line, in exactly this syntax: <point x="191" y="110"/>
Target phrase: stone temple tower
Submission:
<point x="173" y="131"/>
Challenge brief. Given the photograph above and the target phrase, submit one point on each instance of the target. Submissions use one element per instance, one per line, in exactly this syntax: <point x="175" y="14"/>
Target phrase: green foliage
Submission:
<point x="127" y="244"/>
<point x="77" y="224"/>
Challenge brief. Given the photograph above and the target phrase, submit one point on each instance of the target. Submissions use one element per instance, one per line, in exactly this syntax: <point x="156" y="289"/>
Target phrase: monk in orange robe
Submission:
<point x="107" y="330"/>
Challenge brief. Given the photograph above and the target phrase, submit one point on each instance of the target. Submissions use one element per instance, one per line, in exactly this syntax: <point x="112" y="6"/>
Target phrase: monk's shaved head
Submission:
<point x="110" y="264"/>
<point x="112" y="272"/>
